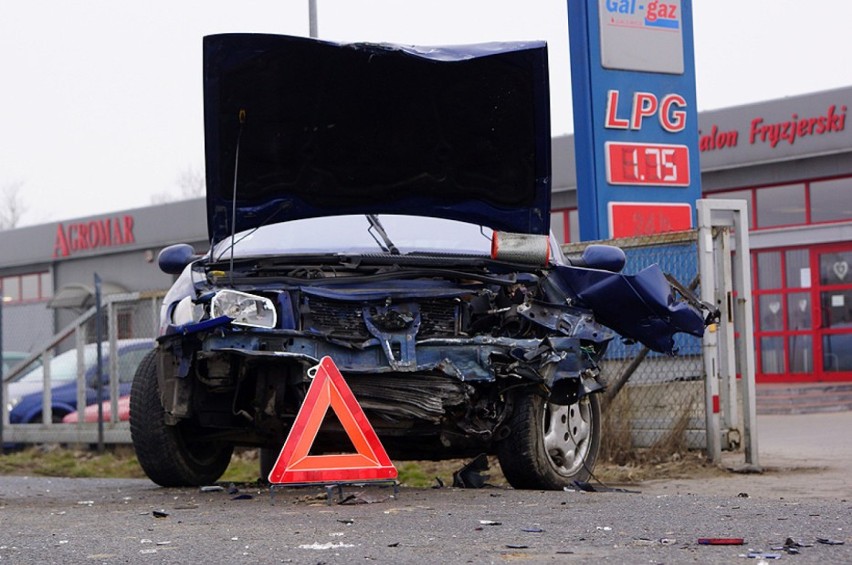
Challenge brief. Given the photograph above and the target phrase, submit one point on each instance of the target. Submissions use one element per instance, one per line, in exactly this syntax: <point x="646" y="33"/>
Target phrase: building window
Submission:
<point x="573" y="225"/>
<point x="781" y="206"/>
<point x="811" y="202"/>
<point x="831" y="200"/>
<point x="746" y="195"/>
<point x="557" y="225"/>
<point x="565" y="225"/>
<point x="783" y="311"/>
<point x="12" y="289"/>
<point x="798" y="267"/>
<point x="769" y="270"/>
<point x="124" y="321"/>
<point x="29" y="287"/>
<point x="46" y="287"/>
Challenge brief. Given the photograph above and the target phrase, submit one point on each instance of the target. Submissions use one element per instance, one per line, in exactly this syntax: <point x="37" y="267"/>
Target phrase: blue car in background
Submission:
<point x="26" y="394"/>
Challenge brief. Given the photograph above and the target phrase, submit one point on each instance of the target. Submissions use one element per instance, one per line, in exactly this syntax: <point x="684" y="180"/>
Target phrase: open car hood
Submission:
<point x="299" y="128"/>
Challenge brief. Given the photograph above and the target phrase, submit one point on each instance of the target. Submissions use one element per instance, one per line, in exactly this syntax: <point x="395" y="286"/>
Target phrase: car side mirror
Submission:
<point x="604" y="257"/>
<point x="174" y="258"/>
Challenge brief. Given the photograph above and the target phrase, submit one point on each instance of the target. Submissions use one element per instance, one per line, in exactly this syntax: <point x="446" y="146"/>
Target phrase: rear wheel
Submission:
<point x="550" y="446"/>
<point x="169" y="455"/>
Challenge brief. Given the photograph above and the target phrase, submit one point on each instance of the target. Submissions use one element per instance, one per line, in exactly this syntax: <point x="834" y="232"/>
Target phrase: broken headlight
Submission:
<point x="186" y="312"/>
<point x="244" y="309"/>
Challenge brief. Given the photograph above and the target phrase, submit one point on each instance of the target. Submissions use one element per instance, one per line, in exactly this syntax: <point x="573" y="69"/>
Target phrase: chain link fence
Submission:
<point x="654" y="404"/>
<point x="48" y="381"/>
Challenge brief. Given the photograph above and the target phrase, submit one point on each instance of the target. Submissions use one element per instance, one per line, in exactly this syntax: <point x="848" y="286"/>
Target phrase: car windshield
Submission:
<point x="353" y="234"/>
<point x="63" y="367"/>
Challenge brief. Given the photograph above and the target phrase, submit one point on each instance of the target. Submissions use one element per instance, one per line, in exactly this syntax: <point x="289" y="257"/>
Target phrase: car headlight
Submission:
<point x="186" y="312"/>
<point x="244" y="309"/>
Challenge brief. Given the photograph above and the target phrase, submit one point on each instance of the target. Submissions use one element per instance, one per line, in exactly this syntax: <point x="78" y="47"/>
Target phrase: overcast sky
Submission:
<point x="102" y="99"/>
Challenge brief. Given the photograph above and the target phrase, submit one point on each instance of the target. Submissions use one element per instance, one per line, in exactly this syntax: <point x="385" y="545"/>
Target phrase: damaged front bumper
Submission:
<point x="565" y="366"/>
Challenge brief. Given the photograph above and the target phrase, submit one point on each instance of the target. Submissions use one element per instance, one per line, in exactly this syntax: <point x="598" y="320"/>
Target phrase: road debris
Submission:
<point x="721" y="541"/>
<point x="471" y="475"/>
<point x="327" y="545"/>
<point x="761" y="555"/>
<point x="792" y="546"/>
<point x="583" y="486"/>
<point x="363" y="498"/>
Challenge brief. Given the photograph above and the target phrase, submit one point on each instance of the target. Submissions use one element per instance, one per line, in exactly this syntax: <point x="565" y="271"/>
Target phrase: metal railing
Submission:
<point x="129" y="315"/>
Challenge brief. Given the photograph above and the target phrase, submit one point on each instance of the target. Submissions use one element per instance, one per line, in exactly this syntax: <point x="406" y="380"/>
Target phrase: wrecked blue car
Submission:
<point x="388" y="207"/>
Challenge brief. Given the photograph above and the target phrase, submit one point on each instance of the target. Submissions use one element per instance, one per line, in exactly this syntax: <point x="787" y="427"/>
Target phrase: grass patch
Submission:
<point x="121" y="462"/>
<point x="56" y="461"/>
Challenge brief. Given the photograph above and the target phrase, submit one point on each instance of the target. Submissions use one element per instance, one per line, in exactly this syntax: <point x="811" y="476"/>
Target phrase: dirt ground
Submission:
<point x="799" y="456"/>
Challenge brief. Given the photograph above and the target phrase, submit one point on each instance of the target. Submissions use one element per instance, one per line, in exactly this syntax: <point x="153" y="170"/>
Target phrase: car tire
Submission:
<point x="550" y="446"/>
<point x="166" y="453"/>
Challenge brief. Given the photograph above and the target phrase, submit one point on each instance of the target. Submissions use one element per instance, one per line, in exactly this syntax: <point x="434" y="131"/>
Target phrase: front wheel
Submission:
<point x="169" y="455"/>
<point x="550" y="446"/>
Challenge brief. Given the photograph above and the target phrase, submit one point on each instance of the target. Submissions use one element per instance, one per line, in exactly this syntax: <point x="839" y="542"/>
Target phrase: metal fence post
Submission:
<point x="706" y="265"/>
<point x="727" y="352"/>
<point x="729" y="215"/>
<point x="744" y="310"/>
<point x="100" y="373"/>
<point x="2" y="373"/>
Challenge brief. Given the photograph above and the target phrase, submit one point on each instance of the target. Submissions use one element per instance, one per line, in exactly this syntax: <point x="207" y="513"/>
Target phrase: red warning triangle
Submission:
<point x="294" y="465"/>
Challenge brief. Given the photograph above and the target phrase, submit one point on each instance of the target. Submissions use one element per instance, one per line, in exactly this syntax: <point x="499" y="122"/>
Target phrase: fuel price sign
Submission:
<point x="648" y="164"/>
<point x="635" y="116"/>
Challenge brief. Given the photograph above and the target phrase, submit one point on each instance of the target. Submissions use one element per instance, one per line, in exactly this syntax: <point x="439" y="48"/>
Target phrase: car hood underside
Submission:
<point x="298" y="128"/>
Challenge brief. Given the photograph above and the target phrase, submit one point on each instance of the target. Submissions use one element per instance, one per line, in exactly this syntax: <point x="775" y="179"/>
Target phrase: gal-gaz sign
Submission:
<point x="635" y="120"/>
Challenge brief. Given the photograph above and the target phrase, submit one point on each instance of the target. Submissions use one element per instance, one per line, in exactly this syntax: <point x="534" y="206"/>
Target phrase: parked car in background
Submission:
<point x="90" y="413"/>
<point x="26" y="395"/>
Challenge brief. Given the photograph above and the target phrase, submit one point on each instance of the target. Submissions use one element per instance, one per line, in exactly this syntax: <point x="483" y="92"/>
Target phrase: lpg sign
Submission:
<point x="635" y="120"/>
<point x="672" y="112"/>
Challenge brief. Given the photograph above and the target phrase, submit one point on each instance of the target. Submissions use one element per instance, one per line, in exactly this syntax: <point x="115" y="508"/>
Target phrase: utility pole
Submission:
<point x="312" y="18"/>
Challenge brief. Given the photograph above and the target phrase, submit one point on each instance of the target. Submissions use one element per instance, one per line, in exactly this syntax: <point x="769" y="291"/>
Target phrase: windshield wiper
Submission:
<point x="376" y="225"/>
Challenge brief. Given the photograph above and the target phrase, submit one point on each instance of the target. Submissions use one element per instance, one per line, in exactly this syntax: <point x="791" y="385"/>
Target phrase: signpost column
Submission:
<point x="635" y="116"/>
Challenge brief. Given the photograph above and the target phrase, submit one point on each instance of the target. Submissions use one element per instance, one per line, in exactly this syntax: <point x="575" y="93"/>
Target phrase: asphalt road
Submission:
<point x="133" y="521"/>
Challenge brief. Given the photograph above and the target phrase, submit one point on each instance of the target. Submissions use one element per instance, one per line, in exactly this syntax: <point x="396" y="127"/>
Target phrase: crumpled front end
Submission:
<point x="429" y="357"/>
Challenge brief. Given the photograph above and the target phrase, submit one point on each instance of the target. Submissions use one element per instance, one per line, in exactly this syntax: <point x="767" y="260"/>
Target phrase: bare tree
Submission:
<point x="190" y="183"/>
<point x="12" y="206"/>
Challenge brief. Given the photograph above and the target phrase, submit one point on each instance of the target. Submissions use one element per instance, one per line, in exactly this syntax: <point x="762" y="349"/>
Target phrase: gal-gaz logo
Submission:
<point x="636" y="13"/>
